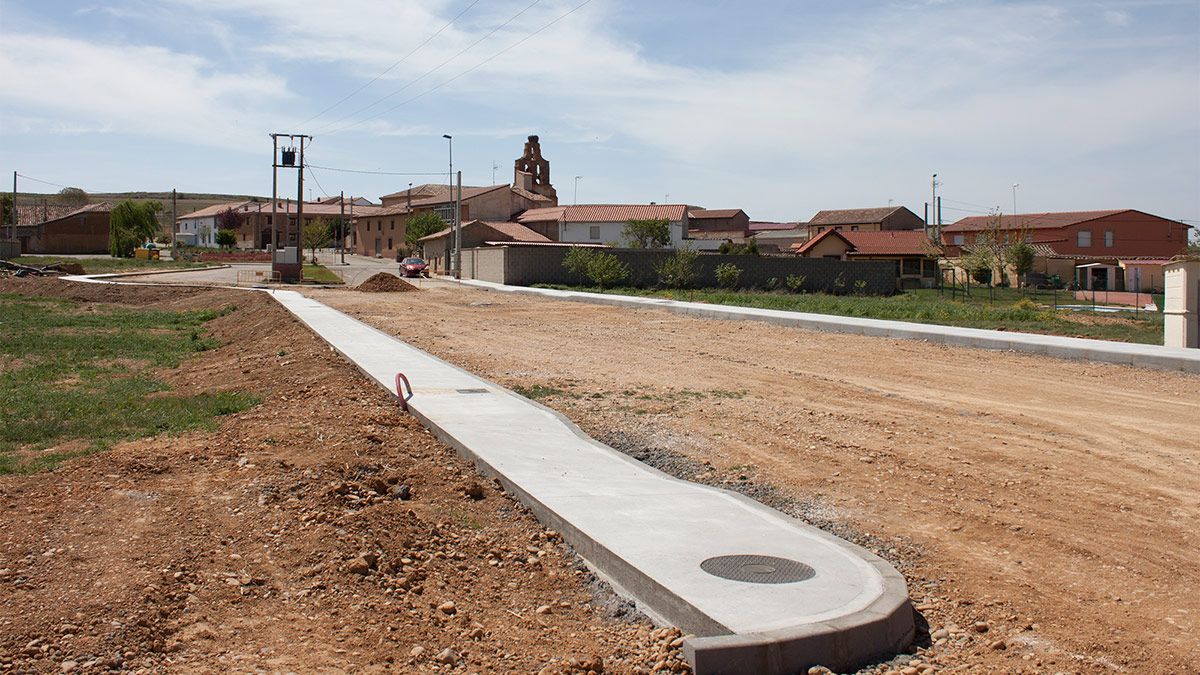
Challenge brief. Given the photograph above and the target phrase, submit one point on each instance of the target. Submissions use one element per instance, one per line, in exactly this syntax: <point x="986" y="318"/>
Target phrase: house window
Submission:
<point x="446" y="212"/>
<point x="389" y="243"/>
<point x="820" y="229"/>
<point x="959" y="239"/>
<point x="1108" y="239"/>
<point x="854" y="228"/>
<point x="910" y="267"/>
<point x="594" y="232"/>
<point x="391" y="226"/>
<point x="1084" y="238"/>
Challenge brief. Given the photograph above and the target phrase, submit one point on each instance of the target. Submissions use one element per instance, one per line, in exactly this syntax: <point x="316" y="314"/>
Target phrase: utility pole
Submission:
<point x="494" y="167"/>
<point x="933" y="202"/>
<point x="1016" y="218"/>
<point x="174" y="219"/>
<point x="13" y="231"/>
<point x="342" y="226"/>
<point x="300" y="196"/>
<point x="575" y="200"/>
<point x="458" y="231"/>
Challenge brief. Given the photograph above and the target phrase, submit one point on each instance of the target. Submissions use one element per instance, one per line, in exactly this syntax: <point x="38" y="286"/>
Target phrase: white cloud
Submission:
<point x="1116" y="17"/>
<point x="136" y="90"/>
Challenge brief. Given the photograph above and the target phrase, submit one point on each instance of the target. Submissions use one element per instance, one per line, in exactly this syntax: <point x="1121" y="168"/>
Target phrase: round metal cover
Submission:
<point x="758" y="569"/>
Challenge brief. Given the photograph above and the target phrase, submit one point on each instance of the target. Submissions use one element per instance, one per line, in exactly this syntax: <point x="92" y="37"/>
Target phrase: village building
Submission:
<point x="1113" y="250"/>
<point x="438" y="248"/>
<point x="605" y="224"/>
<point x="915" y="256"/>
<point x="865" y="220"/>
<point x="199" y="228"/>
<point x="381" y="233"/>
<point x="64" y="230"/>
<point x="771" y="238"/>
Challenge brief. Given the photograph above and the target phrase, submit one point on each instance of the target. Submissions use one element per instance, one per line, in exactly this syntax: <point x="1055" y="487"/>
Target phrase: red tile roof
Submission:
<point x="704" y="214"/>
<point x="515" y="231"/>
<point x="765" y="226"/>
<point x="886" y="242"/>
<point x="443" y="198"/>
<point x="605" y="213"/>
<point x="1028" y="221"/>
<point x="853" y="216"/>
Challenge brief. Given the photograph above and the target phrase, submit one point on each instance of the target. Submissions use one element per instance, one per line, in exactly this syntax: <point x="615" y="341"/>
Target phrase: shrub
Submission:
<point x="839" y="283"/>
<point x="728" y="275"/>
<point x="679" y="269"/>
<point x="577" y="259"/>
<point x="226" y="238"/>
<point x="605" y="270"/>
<point x="860" y="286"/>
<point x="730" y="248"/>
<point x="795" y="282"/>
<point x="1025" y="304"/>
<point x="772" y="283"/>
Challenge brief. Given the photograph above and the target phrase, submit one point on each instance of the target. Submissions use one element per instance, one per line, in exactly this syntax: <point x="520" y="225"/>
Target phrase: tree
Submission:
<point x="604" y="269"/>
<point x="422" y="225"/>
<point x="647" y="233"/>
<point x="72" y="196"/>
<point x="1020" y="255"/>
<point x="228" y="220"/>
<point x="226" y="238"/>
<point x="979" y="259"/>
<point x="6" y="213"/>
<point x="316" y="235"/>
<point x="679" y="269"/>
<point x="131" y="224"/>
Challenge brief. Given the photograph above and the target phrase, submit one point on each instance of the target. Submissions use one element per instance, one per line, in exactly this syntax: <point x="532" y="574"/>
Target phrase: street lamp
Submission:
<point x="450" y="142"/>
<point x="576" y="200"/>
<point x="453" y="225"/>
<point x="1015" y="219"/>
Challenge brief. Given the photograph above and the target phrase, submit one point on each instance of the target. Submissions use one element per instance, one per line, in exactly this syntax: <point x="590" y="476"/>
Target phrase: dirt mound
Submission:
<point x="87" y="292"/>
<point x="385" y="283"/>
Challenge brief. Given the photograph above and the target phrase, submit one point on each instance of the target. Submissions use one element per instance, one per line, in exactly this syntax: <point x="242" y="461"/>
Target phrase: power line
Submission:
<point x="39" y="180"/>
<point x="429" y="72"/>
<point x="391" y="67"/>
<point x="314" y="177"/>
<point x="378" y="173"/>
<point x="471" y="69"/>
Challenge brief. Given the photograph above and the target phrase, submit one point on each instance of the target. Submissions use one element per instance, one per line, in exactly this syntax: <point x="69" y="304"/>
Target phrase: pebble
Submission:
<point x="474" y="491"/>
<point x="544" y="609"/>
<point x="981" y="626"/>
<point x="68" y="666"/>
<point x="447" y="608"/>
<point x="447" y="657"/>
<point x="999" y="644"/>
<point x="417" y="651"/>
<point x="401" y="492"/>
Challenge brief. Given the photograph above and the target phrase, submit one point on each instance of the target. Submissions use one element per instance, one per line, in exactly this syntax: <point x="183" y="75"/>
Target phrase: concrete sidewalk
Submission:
<point x="1148" y="356"/>
<point x="759" y="591"/>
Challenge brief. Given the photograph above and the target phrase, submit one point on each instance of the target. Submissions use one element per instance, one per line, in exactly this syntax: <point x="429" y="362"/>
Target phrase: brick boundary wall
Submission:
<point x="9" y="249"/>
<point x="528" y="265"/>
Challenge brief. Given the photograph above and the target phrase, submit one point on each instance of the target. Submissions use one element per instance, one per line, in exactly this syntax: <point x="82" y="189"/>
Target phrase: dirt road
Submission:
<point x="320" y="531"/>
<point x="1044" y="511"/>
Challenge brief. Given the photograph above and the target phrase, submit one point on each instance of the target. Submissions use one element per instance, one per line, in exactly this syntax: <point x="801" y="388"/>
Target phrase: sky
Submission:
<point x="782" y="108"/>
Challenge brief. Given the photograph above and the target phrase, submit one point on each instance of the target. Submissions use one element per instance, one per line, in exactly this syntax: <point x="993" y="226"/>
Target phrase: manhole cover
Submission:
<point x="758" y="569"/>
<point x="472" y="391"/>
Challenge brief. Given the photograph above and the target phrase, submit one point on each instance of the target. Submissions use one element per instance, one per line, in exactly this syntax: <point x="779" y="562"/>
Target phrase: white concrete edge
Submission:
<point x="1125" y="353"/>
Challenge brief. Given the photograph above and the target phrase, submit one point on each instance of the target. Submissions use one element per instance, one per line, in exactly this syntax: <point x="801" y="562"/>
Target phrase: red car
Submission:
<point x="414" y="267"/>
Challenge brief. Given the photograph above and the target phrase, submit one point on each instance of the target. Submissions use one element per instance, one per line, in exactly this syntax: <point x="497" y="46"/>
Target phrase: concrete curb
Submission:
<point x="121" y="275"/>
<point x="1124" y="353"/>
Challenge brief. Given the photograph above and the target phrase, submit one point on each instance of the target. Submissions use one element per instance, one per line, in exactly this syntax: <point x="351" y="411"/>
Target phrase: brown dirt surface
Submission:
<point x="385" y="283"/>
<point x="318" y="531"/>
<point x="1043" y="511"/>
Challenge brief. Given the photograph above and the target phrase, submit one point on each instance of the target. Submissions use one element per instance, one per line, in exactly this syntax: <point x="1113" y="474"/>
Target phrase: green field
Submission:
<point x="110" y="265"/>
<point x="75" y="380"/>
<point x="321" y="274"/>
<point x="1003" y="309"/>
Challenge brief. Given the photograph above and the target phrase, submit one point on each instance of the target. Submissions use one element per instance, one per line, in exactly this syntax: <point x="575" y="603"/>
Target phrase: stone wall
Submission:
<point x="528" y="265"/>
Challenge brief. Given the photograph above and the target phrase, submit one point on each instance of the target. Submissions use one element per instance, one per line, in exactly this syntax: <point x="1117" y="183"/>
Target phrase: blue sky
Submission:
<point x="781" y="108"/>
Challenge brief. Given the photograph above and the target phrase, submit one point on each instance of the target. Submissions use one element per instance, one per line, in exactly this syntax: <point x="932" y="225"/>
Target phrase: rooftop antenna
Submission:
<point x="494" y="167"/>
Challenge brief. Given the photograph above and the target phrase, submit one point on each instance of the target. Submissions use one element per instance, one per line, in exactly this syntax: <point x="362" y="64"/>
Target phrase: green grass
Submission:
<point x="110" y="265"/>
<point x="540" y="391"/>
<point x="926" y="306"/>
<point x="320" y="274"/>
<point x="81" y="377"/>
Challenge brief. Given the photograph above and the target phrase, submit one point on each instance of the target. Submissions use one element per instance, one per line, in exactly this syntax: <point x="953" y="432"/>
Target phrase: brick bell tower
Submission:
<point x="532" y="171"/>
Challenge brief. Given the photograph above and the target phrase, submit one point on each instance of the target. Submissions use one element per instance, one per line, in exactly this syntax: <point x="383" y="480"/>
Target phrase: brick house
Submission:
<point x="82" y="230"/>
<point x="865" y="220"/>
<point x="915" y="256"/>
<point x="439" y="246"/>
<point x="199" y="228"/>
<point x="1100" y="250"/>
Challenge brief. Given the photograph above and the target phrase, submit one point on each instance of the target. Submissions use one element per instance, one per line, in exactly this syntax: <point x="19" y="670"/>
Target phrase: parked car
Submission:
<point x="414" y="267"/>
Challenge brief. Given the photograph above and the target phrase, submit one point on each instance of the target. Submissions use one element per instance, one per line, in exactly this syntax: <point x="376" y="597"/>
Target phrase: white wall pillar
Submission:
<point x="1181" y="306"/>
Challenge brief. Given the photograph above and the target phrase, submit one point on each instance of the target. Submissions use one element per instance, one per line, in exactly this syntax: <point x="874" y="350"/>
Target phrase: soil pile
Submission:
<point x="385" y="283"/>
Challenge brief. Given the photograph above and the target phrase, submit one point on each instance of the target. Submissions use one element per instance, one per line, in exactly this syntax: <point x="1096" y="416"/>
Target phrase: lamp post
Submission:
<point x="1016" y="220"/>
<point x="576" y="199"/>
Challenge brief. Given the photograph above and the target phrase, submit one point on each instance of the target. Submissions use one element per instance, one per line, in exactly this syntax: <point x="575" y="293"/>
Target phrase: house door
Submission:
<point x="378" y="247"/>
